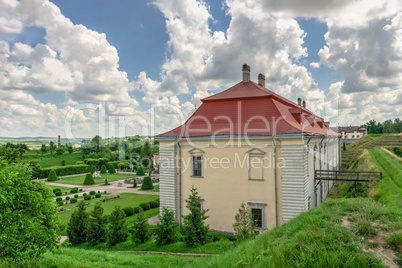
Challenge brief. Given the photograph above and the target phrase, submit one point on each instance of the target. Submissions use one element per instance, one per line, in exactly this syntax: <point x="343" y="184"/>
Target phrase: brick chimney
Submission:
<point x="261" y="80"/>
<point x="304" y="104"/>
<point x="299" y="101"/>
<point x="246" y="73"/>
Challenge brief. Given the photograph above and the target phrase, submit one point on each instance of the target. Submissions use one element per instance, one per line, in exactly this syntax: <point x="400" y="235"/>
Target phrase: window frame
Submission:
<point x="261" y="207"/>
<point x="255" y="153"/>
<point x="197" y="153"/>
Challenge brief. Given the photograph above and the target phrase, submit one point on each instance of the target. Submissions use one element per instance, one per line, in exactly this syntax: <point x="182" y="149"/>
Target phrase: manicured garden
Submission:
<point x="79" y="179"/>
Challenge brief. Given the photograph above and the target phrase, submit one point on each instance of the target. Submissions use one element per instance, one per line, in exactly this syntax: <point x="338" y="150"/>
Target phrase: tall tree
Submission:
<point x="97" y="226"/>
<point x="194" y="229"/>
<point x="43" y="149"/>
<point x="78" y="225"/>
<point x="167" y="228"/>
<point x="117" y="230"/>
<point x="28" y="221"/>
<point x="52" y="147"/>
<point x="140" y="230"/>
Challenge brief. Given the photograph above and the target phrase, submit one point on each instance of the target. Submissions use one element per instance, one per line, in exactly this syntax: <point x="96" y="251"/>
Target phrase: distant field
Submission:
<point x="34" y="142"/>
<point x="48" y="160"/>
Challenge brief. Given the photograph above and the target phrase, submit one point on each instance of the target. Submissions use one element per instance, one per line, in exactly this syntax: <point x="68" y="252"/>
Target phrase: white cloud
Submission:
<point x="315" y="65"/>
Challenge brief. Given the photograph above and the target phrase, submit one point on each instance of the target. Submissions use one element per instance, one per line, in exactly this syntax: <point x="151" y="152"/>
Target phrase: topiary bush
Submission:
<point x="98" y="195"/>
<point x="87" y="197"/>
<point x="60" y="203"/>
<point x="134" y="183"/>
<point x="58" y="193"/>
<point x="58" y="199"/>
<point x="147" y="184"/>
<point x="76" y="196"/>
<point x="73" y="200"/>
<point x="56" y="190"/>
<point x="103" y="169"/>
<point x="52" y="176"/>
<point x="89" y="180"/>
<point x="136" y="210"/>
<point x="80" y="190"/>
<point x="140" y="171"/>
<point x="105" y="192"/>
<point x="67" y="198"/>
<point x="145" y="206"/>
<point x="74" y="190"/>
<point x="128" y="211"/>
<point x="153" y="204"/>
<point x="92" y="192"/>
<point x="112" y="170"/>
<point x="92" y="169"/>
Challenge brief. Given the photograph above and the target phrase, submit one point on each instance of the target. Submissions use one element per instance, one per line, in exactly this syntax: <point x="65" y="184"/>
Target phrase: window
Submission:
<point x="258" y="212"/>
<point x="256" y="164"/>
<point x="257" y="216"/>
<point x="197" y="165"/>
<point x="196" y="162"/>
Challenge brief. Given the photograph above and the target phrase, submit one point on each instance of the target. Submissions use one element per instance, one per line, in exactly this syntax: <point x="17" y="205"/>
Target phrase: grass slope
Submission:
<point x="48" y="160"/>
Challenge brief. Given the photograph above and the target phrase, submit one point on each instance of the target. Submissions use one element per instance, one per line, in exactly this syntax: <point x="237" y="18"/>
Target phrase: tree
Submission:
<point x="344" y="146"/>
<point x="97" y="226"/>
<point x="52" y="147"/>
<point x="52" y="176"/>
<point x="89" y="180"/>
<point x="147" y="184"/>
<point x="60" y="150"/>
<point x="244" y="225"/>
<point x="140" y="171"/>
<point x="167" y="228"/>
<point x="194" y="229"/>
<point x="78" y="226"/>
<point x="43" y="149"/>
<point x="70" y="148"/>
<point x="117" y="230"/>
<point x="140" y="230"/>
<point x="103" y="169"/>
<point x="29" y="227"/>
<point x="8" y="154"/>
<point x="97" y="144"/>
<point x="135" y="182"/>
<point x="92" y="169"/>
<point x="111" y="169"/>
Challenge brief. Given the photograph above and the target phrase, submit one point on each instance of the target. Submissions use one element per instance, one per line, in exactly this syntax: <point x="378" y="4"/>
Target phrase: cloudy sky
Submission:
<point x="114" y="68"/>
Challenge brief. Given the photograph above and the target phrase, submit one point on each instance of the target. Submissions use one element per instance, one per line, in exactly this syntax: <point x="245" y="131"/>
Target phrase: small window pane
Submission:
<point x="257" y="215"/>
<point x="197" y="165"/>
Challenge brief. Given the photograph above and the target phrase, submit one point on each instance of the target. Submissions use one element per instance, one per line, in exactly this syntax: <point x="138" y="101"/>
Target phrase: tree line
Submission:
<point x="388" y="126"/>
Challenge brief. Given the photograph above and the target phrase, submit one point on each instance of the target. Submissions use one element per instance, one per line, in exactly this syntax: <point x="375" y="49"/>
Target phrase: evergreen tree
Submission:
<point x="89" y="180"/>
<point x="140" y="171"/>
<point x="78" y="225"/>
<point x="112" y="170"/>
<point x="135" y="182"/>
<point x="167" y="228"/>
<point x="194" y="229"/>
<point x="97" y="226"/>
<point x="103" y="169"/>
<point x="92" y="169"/>
<point x="52" y="147"/>
<point x="147" y="184"/>
<point x="117" y="230"/>
<point x="140" y="230"/>
<point x="43" y="149"/>
<point x="244" y="225"/>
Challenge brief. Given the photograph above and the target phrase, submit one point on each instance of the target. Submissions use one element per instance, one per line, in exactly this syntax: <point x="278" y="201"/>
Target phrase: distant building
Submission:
<point x="351" y="133"/>
<point x="247" y="144"/>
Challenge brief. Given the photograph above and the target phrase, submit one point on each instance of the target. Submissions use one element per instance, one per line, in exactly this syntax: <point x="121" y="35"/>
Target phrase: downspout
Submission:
<point x="321" y="184"/>
<point x="275" y="181"/>
<point x="180" y="178"/>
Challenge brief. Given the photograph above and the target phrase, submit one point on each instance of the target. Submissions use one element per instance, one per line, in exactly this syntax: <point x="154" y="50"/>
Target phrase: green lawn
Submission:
<point x="125" y="200"/>
<point x="48" y="160"/>
<point x="79" y="179"/>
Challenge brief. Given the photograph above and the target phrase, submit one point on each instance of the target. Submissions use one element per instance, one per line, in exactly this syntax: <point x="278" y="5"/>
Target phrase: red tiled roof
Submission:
<point x="249" y="109"/>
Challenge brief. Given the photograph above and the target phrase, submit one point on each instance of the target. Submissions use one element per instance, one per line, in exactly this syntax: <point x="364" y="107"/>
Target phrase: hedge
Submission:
<point x="145" y="206"/>
<point x="96" y="161"/>
<point x="64" y="170"/>
<point x="128" y="211"/>
<point x="153" y="204"/>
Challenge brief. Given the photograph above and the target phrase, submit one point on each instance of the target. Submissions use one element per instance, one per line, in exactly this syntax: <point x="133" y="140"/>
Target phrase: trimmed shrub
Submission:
<point x="140" y="171"/>
<point x="58" y="199"/>
<point x="103" y="169"/>
<point x="105" y="192"/>
<point x="134" y="183"/>
<point x="73" y="200"/>
<point x="145" y="206"/>
<point x="56" y="190"/>
<point x="80" y="190"/>
<point x="154" y="204"/>
<point x="128" y="211"/>
<point x="65" y="192"/>
<point x="112" y="170"/>
<point x="84" y="194"/>
<point x="74" y="190"/>
<point x="60" y="203"/>
<point x="89" y="180"/>
<point x="92" y="192"/>
<point x="98" y="195"/>
<point x="147" y="184"/>
<point x="67" y="198"/>
<point x="87" y="197"/>
<point x="76" y="196"/>
<point x="52" y="176"/>
<point x="58" y="193"/>
<point x="92" y="169"/>
<point x="136" y="210"/>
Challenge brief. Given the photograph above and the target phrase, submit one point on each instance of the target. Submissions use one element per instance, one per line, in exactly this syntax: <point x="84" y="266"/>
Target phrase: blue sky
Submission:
<point x="62" y="55"/>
